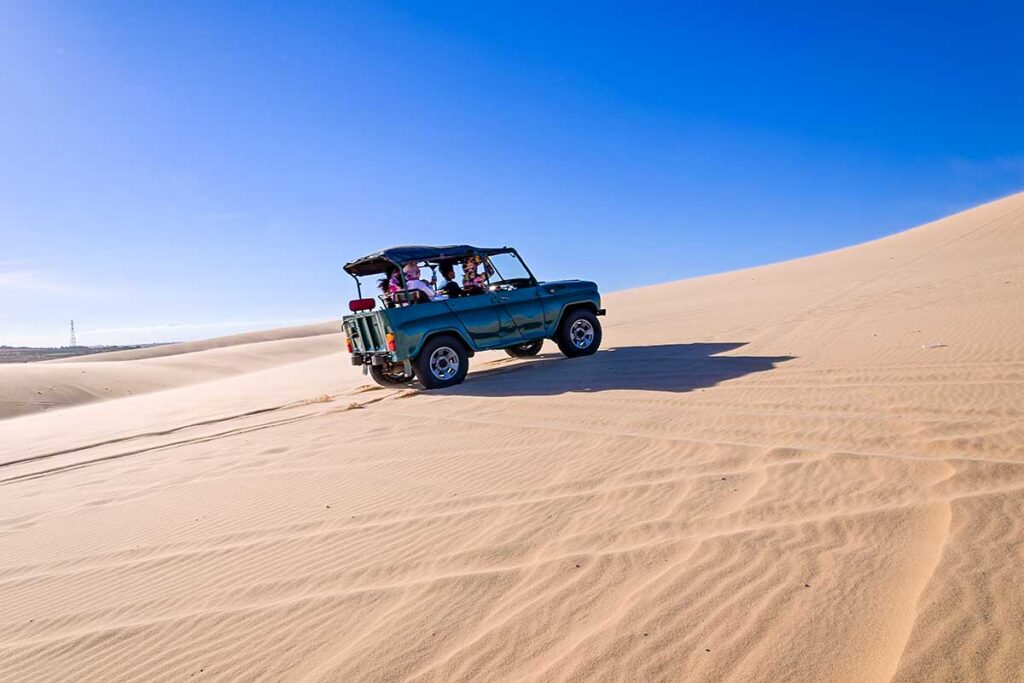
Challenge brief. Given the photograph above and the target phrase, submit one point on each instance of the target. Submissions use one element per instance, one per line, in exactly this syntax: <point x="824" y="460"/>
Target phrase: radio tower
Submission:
<point x="73" y="342"/>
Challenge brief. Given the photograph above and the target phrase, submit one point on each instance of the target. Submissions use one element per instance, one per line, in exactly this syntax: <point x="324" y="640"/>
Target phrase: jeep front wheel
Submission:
<point x="443" y="362"/>
<point x="579" y="334"/>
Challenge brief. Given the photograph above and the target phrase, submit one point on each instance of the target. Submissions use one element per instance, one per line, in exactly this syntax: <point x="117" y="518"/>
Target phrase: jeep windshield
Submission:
<point x="509" y="272"/>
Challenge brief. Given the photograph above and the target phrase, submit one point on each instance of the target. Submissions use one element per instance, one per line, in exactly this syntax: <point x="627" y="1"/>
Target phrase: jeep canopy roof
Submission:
<point x="381" y="261"/>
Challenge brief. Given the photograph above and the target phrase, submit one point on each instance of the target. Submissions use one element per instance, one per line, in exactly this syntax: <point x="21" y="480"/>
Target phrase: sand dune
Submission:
<point x="280" y="333"/>
<point x="807" y="471"/>
<point x="34" y="387"/>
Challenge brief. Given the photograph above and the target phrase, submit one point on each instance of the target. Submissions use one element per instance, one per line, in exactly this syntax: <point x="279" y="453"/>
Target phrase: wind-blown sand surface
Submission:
<point x="771" y="474"/>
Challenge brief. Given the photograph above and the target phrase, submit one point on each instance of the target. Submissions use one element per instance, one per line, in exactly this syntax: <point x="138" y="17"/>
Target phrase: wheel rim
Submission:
<point x="444" y="363"/>
<point x="581" y="334"/>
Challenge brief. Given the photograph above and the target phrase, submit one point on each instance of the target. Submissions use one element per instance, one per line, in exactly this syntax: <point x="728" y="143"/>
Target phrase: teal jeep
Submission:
<point x="414" y="330"/>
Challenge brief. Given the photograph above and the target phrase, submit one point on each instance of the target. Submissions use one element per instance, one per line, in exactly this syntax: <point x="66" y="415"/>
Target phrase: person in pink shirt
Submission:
<point x="473" y="281"/>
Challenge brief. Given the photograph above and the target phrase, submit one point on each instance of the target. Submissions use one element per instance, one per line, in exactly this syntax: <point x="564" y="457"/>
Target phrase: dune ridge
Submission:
<point x="812" y="470"/>
<point x="36" y="387"/>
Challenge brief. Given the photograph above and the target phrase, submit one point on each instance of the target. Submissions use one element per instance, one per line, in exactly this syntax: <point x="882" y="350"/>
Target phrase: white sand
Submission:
<point x="766" y="476"/>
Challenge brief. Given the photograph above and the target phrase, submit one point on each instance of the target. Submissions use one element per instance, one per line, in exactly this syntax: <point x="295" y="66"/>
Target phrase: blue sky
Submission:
<point x="179" y="170"/>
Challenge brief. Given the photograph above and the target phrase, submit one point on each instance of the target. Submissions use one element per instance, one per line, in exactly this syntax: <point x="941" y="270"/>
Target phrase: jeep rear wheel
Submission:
<point x="391" y="375"/>
<point x="525" y="350"/>
<point x="579" y="334"/>
<point x="443" y="362"/>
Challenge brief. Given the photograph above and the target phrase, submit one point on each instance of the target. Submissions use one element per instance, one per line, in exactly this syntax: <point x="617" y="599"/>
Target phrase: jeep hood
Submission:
<point x="570" y="285"/>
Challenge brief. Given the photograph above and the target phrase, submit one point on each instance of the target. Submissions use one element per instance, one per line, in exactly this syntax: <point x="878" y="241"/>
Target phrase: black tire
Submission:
<point x="390" y="375"/>
<point x="442" y="363"/>
<point x="579" y="334"/>
<point x="525" y="350"/>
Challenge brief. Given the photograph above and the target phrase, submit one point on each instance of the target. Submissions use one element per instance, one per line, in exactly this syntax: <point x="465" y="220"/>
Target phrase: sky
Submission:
<point x="179" y="170"/>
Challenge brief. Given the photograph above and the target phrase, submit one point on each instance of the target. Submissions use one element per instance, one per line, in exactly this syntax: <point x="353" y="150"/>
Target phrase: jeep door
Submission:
<point x="517" y="291"/>
<point x="526" y="310"/>
<point x="486" y="321"/>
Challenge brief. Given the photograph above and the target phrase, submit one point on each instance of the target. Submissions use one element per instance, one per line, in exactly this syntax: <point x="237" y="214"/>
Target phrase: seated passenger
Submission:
<point x="394" y="282"/>
<point x="388" y="285"/>
<point x="414" y="284"/>
<point x="450" y="286"/>
<point x="474" y="282"/>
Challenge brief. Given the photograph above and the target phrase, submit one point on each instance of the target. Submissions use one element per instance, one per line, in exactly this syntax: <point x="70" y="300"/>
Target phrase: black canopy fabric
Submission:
<point x="380" y="261"/>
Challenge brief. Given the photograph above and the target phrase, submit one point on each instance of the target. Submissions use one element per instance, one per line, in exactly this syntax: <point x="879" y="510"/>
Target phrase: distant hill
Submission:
<point x="28" y="354"/>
